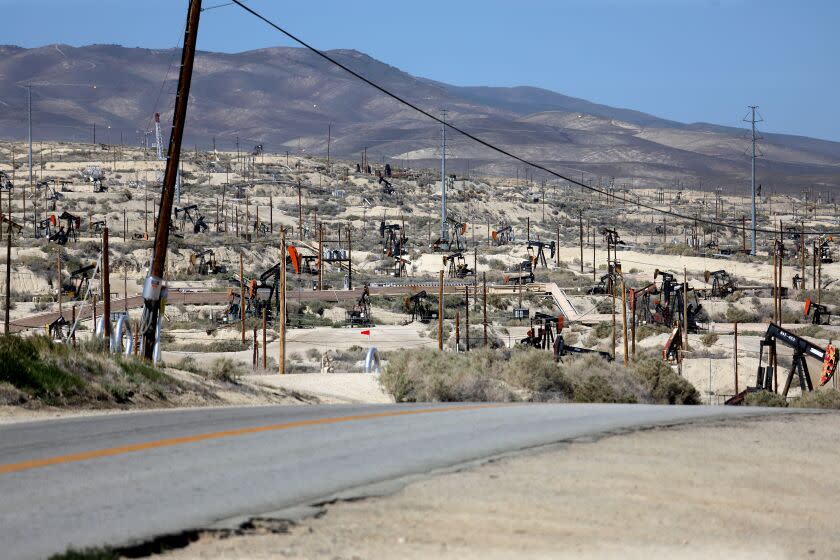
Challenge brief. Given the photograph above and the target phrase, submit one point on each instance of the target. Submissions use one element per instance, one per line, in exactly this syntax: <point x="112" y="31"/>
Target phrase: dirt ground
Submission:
<point x="762" y="488"/>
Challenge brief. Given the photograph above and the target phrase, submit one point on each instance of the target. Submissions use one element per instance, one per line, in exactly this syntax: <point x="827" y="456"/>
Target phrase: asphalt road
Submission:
<point x="124" y="478"/>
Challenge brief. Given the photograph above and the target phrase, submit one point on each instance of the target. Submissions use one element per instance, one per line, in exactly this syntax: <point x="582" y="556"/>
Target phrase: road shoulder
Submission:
<point x="758" y="487"/>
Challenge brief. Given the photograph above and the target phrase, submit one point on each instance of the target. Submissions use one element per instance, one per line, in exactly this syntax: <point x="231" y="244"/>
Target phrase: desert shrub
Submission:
<point x="187" y="363"/>
<point x="530" y="374"/>
<point x="811" y="331"/>
<point x="604" y="306"/>
<point x="765" y="398"/>
<point x="663" y="384"/>
<point x="602" y="330"/>
<point x="597" y="389"/>
<point x="709" y="339"/>
<point x="737" y="315"/>
<point x="645" y="331"/>
<point x="829" y="398"/>
<point x="428" y="375"/>
<point x="536" y="371"/>
<point x="224" y="369"/>
<point x="229" y="345"/>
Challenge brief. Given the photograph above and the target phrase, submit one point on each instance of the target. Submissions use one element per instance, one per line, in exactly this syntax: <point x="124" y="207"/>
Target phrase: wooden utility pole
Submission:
<point x="106" y="287"/>
<point x="300" y="212"/>
<point x="349" y="260"/>
<point x="60" y="311"/>
<point x="125" y="290"/>
<point x="819" y="279"/>
<point x="614" y="325"/>
<point x="633" y="322"/>
<point x="467" y="315"/>
<point x="271" y="215"/>
<point x="264" y="352"/>
<point x="155" y="278"/>
<point x="802" y="246"/>
<point x="557" y="250"/>
<point x="457" y="331"/>
<point x="125" y="226"/>
<point x="9" y="276"/>
<point x="256" y="357"/>
<point x="685" y="309"/>
<point x="580" y="217"/>
<point x="440" y="311"/>
<point x="624" y="318"/>
<point x="484" y="282"/>
<point x="735" y="346"/>
<point x="242" y="295"/>
<point x="775" y="280"/>
<point x="321" y="257"/>
<point x="282" y="314"/>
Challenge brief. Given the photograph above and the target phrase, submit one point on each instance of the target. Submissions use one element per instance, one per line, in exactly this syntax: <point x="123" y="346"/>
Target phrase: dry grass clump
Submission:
<point x="44" y="372"/>
<point x="530" y="374"/>
<point x="765" y="398"/>
<point x="827" y="398"/>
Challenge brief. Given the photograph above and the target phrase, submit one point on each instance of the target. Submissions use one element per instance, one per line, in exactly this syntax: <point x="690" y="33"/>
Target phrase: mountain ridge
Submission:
<point x="286" y="98"/>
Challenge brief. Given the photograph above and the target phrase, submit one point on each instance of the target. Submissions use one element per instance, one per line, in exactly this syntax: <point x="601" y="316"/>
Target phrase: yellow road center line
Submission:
<point x="171" y="442"/>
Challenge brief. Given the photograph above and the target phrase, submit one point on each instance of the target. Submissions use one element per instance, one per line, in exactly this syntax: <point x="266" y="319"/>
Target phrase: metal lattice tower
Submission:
<point x="158" y="137"/>
<point x="752" y="120"/>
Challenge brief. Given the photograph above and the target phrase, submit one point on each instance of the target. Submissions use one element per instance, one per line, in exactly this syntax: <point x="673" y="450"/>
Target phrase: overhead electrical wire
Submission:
<point x="495" y="148"/>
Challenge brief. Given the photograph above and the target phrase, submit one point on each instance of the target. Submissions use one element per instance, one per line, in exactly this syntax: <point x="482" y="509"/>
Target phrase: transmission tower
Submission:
<point x="158" y="137"/>
<point x="444" y="231"/>
<point x="750" y="118"/>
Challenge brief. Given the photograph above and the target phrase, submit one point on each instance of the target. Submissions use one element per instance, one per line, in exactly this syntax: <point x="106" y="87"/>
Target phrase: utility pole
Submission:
<point x="300" y="213"/>
<point x="624" y="318"/>
<point x="752" y="120"/>
<point x="282" y="314"/>
<point x="154" y="282"/>
<point x="106" y="287"/>
<point x="242" y="296"/>
<point x="467" y="301"/>
<point x="9" y="277"/>
<point x="29" y="88"/>
<point x="329" y="141"/>
<point x="580" y="217"/>
<point x="443" y="228"/>
<point x="484" y="282"/>
<point x="440" y="311"/>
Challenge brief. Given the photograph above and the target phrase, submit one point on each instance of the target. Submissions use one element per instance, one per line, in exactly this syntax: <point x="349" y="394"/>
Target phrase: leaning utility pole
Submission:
<point x="443" y="228"/>
<point x="752" y="120"/>
<point x="154" y="281"/>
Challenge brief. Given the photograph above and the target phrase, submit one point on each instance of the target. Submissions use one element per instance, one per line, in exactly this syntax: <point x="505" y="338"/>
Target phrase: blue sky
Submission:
<point x="688" y="60"/>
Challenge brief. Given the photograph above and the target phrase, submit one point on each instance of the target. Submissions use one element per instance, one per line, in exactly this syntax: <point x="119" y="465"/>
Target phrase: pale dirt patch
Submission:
<point x="330" y="387"/>
<point x="760" y="488"/>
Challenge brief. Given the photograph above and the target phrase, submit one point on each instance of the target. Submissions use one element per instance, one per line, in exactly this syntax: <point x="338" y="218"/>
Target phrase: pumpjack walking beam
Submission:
<point x="154" y="281"/>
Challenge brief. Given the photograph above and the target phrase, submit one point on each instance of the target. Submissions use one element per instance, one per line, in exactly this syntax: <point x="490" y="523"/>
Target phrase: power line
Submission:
<point x="493" y="146"/>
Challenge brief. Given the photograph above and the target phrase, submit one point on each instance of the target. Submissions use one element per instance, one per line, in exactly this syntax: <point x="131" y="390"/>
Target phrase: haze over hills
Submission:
<point x="285" y="98"/>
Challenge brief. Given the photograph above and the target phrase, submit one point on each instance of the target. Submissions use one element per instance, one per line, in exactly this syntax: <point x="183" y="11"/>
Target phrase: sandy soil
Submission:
<point x="330" y="387"/>
<point x="746" y="489"/>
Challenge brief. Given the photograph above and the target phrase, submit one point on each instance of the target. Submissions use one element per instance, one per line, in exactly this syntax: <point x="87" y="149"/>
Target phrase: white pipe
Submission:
<point x="372" y="361"/>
